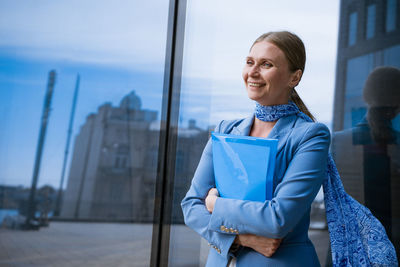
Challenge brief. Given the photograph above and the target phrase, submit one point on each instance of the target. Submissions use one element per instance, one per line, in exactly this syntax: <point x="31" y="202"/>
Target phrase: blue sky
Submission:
<point x="104" y="42"/>
<point x="22" y="89"/>
<point x="119" y="46"/>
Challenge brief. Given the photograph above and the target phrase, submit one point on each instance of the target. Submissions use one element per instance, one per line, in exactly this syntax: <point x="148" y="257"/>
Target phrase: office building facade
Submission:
<point x="366" y="108"/>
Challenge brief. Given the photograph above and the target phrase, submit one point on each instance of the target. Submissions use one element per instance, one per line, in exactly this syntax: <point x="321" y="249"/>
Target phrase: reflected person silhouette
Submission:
<point x="368" y="155"/>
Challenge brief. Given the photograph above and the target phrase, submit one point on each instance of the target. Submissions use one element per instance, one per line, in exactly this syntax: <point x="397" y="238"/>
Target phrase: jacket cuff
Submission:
<point x="223" y="244"/>
<point x="218" y="223"/>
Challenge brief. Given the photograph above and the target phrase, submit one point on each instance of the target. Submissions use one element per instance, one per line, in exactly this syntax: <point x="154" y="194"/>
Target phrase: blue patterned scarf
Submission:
<point x="357" y="237"/>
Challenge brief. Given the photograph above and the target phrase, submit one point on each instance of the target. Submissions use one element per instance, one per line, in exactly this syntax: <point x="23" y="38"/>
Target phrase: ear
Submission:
<point x="295" y="79"/>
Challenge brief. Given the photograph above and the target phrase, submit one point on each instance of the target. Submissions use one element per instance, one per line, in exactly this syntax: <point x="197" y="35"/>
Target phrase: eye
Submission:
<point x="249" y="62"/>
<point x="266" y="65"/>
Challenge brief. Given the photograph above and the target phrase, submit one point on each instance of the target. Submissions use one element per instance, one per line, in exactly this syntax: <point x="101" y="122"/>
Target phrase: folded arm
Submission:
<point x="274" y="218"/>
<point x="293" y="196"/>
<point x="193" y="205"/>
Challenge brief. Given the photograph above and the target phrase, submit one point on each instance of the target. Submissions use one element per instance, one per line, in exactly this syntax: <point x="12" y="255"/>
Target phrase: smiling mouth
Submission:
<point x="255" y="84"/>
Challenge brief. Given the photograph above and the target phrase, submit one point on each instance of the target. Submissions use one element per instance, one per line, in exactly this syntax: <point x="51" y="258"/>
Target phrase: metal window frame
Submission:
<point x="168" y="133"/>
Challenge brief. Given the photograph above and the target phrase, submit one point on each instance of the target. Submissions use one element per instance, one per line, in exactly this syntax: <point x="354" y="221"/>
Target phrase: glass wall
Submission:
<point x="212" y="89"/>
<point x="369" y="138"/>
<point x="371" y="20"/>
<point x="81" y="87"/>
<point x="93" y="100"/>
<point x="358" y="69"/>
<point x="365" y="146"/>
<point x="391" y="15"/>
<point x="352" y="36"/>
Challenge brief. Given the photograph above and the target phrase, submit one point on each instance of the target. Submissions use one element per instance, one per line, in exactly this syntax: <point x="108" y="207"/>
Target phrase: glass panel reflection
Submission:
<point x="352" y="37"/>
<point x="367" y="153"/>
<point x="366" y="146"/>
<point x="112" y="56"/>
<point x="371" y="15"/>
<point x="357" y="70"/>
<point x="391" y="15"/>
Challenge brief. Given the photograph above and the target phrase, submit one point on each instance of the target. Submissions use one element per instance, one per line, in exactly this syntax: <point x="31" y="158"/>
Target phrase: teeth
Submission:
<point x="255" y="84"/>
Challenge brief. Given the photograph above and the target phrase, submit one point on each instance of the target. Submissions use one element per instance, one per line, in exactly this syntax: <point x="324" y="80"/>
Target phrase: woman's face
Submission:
<point x="266" y="75"/>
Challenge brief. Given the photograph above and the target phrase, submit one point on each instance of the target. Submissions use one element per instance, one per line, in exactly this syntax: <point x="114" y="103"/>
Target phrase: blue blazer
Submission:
<point x="299" y="172"/>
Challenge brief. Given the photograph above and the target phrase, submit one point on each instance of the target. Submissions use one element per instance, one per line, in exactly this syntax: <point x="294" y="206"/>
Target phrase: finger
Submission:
<point x="268" y="253"/>
<point x="213" y="191"/>
<point x="208" y="206"/>
<point x="276" y="242"/>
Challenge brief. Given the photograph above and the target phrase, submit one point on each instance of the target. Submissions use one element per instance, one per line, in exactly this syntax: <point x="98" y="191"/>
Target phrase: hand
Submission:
<point x="264" y="245"/>
<point x="211" y="198"/>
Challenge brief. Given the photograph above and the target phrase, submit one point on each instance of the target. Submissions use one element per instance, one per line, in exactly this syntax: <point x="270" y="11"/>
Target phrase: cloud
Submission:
<point x="132" y="34"/>
<point x="102" y="32"/>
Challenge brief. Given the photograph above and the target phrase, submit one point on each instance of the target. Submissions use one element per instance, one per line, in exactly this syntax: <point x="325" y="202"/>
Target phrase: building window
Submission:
<point x="391" y="56"/>
<point x="391" y="10"/>
<point x="120" y="162"/>
<point x="357" y="72"/>
<point x="352" y="28"/>
<point x="371" y="18"/>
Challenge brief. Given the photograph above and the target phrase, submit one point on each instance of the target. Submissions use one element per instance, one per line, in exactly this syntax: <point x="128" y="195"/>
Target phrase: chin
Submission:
<point x="255" y="97"/>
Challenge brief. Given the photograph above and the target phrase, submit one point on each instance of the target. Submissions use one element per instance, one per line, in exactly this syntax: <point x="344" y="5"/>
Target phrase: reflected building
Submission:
<point x="190" y="144"/>
<point x="114" y="164"/>
<point x="365" y="142"/>
<point x="369" y="37"/>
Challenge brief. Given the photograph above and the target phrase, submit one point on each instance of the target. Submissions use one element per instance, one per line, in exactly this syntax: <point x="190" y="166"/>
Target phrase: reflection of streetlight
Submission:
<point x="45" y="117"/>
<point x="71" y="122"/>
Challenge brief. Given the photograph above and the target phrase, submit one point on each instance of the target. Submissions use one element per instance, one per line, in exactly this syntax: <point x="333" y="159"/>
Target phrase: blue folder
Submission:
<point x="244" y="166"/>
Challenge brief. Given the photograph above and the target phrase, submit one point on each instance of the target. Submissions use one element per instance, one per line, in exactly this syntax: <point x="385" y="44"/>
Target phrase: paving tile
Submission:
<point x="69" y="244"/>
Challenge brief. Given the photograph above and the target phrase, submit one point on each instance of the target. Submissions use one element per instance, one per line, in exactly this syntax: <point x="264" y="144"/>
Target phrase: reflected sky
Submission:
<point x="119" y="46"/>
<point x="127" y="33"/>
<point x="105" y="42"/>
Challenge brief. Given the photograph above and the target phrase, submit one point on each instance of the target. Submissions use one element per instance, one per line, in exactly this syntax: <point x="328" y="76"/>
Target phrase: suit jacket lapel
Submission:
<point x="244" y="127"/>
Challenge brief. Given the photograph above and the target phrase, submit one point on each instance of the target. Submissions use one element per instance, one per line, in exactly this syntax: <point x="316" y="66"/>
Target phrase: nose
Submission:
<point x="253" y="71"/>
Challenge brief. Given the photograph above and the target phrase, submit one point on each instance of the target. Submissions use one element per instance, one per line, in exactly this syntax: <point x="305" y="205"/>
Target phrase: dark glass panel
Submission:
<point x="371" y="21"/>
<point x="391" y="15"/>
<point x="111" y="54"/>
<point x="352" y="33"/>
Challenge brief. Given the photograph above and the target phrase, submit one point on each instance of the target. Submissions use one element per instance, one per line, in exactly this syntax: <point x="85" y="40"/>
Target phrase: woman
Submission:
<point x="275" y="232"/>
<point x="273" y="68"/>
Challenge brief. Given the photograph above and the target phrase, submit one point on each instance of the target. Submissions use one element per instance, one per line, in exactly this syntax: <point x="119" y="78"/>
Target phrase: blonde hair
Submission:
<point x="293" y="48"/>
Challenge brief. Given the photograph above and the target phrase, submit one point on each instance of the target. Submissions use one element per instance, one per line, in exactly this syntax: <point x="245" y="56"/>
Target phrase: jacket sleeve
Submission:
<point x="194" y="210"/>
<point x="292" y="198"/>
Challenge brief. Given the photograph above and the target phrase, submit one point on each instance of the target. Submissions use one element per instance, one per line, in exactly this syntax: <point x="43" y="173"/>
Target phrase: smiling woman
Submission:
<point x="272" y="232"/>
<point x="212" y="89"/>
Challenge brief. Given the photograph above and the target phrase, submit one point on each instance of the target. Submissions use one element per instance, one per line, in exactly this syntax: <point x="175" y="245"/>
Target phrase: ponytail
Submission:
<point x="295" y="98"/>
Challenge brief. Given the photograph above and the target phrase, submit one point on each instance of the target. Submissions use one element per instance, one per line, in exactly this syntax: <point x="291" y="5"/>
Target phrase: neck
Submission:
<point x="261" y="128"/>
<point x="268" y="104"/>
